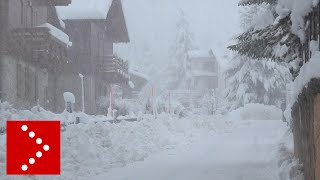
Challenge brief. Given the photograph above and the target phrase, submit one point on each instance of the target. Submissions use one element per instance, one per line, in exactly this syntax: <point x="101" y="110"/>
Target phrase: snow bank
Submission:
<point x="94" y="148"/>
<point x="256" y="112"/>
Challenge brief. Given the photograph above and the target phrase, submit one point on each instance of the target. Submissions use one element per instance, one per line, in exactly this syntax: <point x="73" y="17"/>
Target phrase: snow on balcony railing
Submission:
<point x="113" y="65"/>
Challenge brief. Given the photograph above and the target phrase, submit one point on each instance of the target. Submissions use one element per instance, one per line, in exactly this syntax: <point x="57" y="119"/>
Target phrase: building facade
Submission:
<point x="43" y="51"/>
<point x="31" y="51"/>
<point x="202" y="70"/>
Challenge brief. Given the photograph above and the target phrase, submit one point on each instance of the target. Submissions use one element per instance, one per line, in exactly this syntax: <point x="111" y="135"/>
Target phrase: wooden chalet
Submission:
<point x="31" y="51"/>
<point x="202" y="70"/>
<point x="94" y="27"/>
<point x="45" y="45"/>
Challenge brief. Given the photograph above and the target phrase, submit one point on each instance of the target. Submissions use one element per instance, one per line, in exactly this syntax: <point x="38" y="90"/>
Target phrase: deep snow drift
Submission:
<point x="248" y="152"/>
<point x="95" y="148"/>
<point x="196" y="147"/>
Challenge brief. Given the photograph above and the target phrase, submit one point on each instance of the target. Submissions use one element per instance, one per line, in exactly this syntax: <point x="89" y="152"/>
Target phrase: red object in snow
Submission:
<point x="33" y="147"/>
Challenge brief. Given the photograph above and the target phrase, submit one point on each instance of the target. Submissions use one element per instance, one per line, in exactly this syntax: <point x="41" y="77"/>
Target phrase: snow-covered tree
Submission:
<point x="256" y="2"/>
<point x="252" y="76"/>
<point x="251" y="81"/>
<point x="273" y="39"/>
<point x="184" y="42"/>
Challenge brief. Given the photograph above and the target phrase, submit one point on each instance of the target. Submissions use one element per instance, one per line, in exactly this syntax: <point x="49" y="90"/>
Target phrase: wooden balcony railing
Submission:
<point x="113" y="69"/>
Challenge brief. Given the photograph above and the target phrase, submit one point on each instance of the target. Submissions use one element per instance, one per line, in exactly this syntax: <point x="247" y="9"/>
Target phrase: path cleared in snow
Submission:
<point x="248" y="152"/>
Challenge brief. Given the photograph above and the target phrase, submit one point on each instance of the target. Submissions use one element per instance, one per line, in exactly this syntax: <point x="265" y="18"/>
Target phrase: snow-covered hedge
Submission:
<point x="256" y="112"/>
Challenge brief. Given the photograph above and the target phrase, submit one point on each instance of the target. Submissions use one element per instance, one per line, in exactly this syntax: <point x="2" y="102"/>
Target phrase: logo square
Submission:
<point x="33" y="147"/>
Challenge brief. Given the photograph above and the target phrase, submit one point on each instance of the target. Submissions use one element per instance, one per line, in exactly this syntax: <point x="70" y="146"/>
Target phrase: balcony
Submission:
<point x="38" y="45"/>
<point x="51" y="2"/>
<point x="113" y="69"/>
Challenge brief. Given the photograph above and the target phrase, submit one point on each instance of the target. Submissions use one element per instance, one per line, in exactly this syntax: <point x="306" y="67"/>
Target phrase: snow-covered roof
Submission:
<point x="85" y="9"/>
<point x="200" y="54"/>
<point x="198" y="73"/>
<point x="57" y="33"/>
<point x="139" y="74"/>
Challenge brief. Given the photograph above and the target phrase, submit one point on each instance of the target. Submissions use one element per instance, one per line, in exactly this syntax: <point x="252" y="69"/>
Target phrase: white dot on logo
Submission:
<point x="24" y="167"/>
<point x="39" y="154"/>
<point x="24" y="128"/>
<point x="32" y="160"/>
<point x="39" y="141"/>
<point x="46" y="147"/>
<point x="31" y="134"/>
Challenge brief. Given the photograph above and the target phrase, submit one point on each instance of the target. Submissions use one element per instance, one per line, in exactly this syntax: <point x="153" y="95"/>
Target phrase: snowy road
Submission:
<point x="248" y="152"/>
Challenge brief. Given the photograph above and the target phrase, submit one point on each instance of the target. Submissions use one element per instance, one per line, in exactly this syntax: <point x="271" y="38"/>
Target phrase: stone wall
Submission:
<point x="306" y="129"/>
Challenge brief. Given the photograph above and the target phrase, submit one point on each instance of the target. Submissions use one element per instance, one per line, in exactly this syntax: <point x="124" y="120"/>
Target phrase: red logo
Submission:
<point x="33" y="147"/>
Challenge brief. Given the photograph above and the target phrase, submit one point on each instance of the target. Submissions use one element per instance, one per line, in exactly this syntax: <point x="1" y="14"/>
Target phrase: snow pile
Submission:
<point x="299" y="9"/>
<point x="256" y="112"/>
<point x="94" y="148"/>
<point x="57" y="33"/>
<point x="85" y="9"/>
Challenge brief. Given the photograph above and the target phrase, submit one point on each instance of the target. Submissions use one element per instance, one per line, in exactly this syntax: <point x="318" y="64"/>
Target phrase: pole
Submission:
<point x="169" y="102"/>
<point x="82" y="91"/>
<point x="110" y="97"/>
<point x="154" y="104"/>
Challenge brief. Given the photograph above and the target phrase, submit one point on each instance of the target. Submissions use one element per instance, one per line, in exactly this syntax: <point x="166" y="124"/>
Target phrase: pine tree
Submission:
<point x="275" y="41"/>
<point x="253" y="77"/>
<point x="251" y="81"/>
<point x="256" y="2"/>
<point x="184" y="42"/>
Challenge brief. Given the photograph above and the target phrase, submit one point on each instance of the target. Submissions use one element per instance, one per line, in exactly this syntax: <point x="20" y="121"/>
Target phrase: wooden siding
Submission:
<point x="116" y="23"/>
<point x="21" y="13"/>
<point x="312" y="32"/>
<point x="80" y="52"/>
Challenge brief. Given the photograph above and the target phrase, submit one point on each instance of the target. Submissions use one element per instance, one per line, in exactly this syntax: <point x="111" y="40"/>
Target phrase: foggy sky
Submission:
<point x="152" y="23"/>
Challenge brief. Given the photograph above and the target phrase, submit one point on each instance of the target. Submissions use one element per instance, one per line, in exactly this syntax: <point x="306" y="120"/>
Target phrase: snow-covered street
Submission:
<point x="247" y="151"/>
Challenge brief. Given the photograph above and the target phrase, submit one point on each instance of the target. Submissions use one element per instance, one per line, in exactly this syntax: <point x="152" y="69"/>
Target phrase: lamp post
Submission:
<point x="82" y="91"/>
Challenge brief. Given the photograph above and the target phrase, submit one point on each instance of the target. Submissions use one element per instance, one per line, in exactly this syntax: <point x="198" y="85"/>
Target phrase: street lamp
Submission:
<point x="82" y="89"/>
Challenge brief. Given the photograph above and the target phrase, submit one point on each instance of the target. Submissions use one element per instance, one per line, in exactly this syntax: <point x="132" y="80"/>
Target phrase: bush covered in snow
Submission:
<point x="256" y="112"/>
<point x="251" y="81"/>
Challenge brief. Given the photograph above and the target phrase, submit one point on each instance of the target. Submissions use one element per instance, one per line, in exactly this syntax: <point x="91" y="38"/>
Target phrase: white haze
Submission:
<point x="152" y="23"/>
